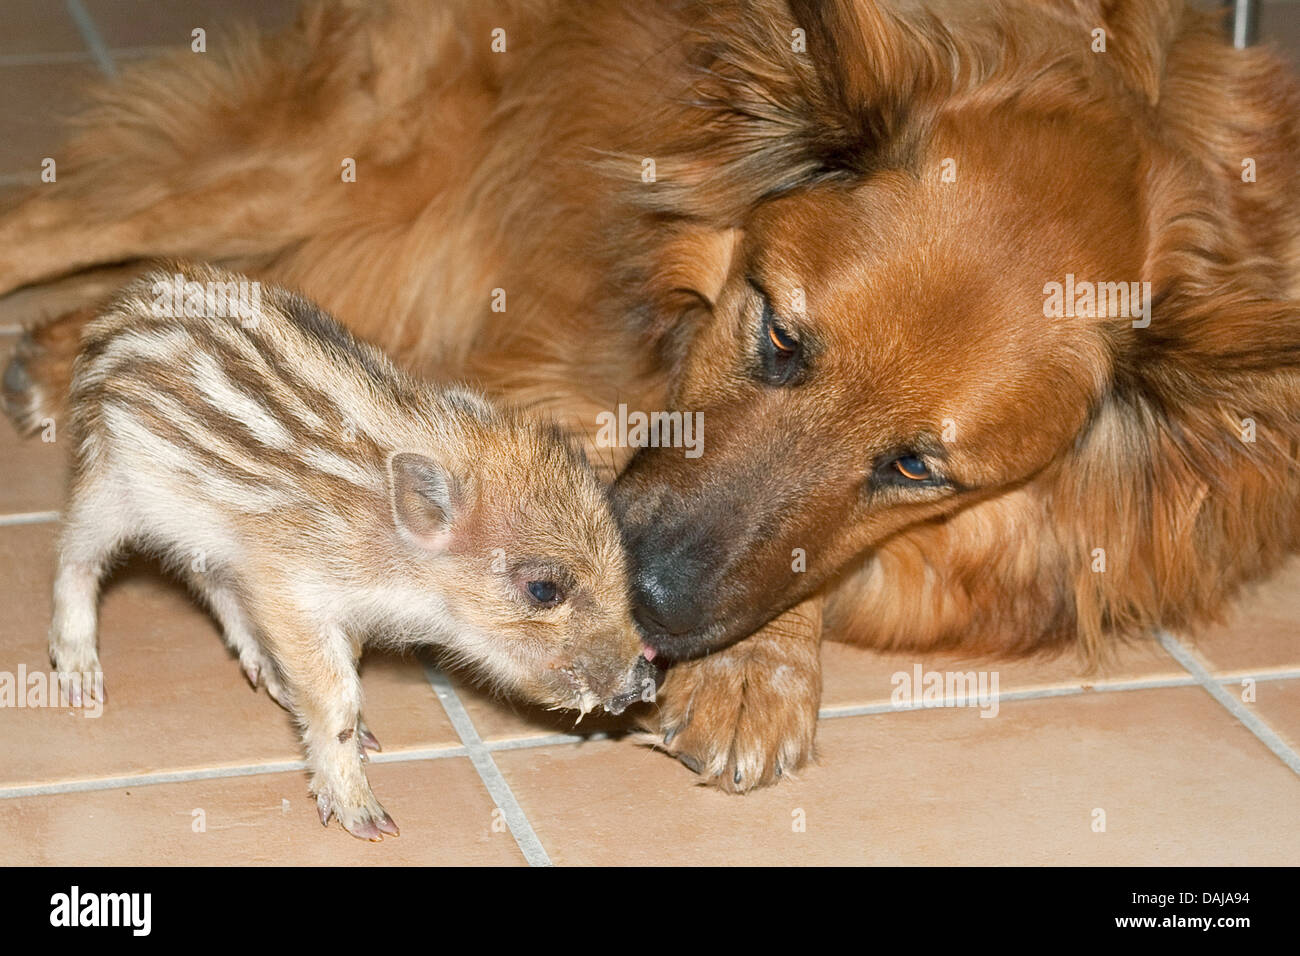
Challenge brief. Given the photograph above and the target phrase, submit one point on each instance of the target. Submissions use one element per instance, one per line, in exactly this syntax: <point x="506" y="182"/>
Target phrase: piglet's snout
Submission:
<point x="640" y="683"/>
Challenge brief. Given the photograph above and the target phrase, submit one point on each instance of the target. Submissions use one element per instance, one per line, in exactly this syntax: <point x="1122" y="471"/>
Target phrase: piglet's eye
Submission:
<point x="544" y="593"/>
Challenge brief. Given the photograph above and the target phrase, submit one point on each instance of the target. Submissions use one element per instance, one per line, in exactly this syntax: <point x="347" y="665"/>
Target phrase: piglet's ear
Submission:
<point x="423" y="495"/>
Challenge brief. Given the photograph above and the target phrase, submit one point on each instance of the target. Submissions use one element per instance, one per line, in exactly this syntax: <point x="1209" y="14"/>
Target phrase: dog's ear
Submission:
<point x="871" y="64"/>
<point x="1136" y="35"/>
<point x="1186" y="484"/>
<point x="786" y="102"/>
<point x="875" y="61"/>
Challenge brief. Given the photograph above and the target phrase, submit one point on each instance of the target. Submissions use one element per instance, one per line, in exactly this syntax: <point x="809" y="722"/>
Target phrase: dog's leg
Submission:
<point x="240" y="158"/>
<point x="172" y="163"/>
<point x="221" y="223"/>
<point x="219" y="207"/>
<point x="215" y="157"/>
<point x="746" y="715"/>
<point x="38" y="373"/>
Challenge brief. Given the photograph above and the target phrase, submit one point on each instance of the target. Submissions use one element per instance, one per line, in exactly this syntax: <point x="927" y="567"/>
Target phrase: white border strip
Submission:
<point x="487" y="768"/>
<point x="91" y="37"/>
<point x="1266" y="734"/>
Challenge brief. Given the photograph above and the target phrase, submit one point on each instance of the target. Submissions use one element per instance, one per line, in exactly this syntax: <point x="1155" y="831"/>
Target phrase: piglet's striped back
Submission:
<point x="250" y="391"/>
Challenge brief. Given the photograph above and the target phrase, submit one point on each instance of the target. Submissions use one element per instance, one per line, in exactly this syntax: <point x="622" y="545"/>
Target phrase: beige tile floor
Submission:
<point x="1187" y="747"/>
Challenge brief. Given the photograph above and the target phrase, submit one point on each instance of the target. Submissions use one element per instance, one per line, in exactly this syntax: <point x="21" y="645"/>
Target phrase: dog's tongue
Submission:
<point x="647" y="652"/>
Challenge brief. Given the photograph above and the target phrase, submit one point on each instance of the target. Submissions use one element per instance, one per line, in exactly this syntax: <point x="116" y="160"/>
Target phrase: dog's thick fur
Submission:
<point x="811" y="185"/>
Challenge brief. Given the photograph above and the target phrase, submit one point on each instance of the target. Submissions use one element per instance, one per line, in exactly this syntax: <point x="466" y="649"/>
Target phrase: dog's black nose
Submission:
<point x="666" y="597"/>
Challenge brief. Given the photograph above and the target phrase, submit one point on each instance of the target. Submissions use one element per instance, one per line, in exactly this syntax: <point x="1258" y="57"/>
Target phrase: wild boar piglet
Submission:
<point x="318" y="500"/>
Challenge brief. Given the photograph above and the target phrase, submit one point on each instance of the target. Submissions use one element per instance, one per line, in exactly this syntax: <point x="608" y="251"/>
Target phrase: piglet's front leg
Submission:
<point x="321" y="678"/>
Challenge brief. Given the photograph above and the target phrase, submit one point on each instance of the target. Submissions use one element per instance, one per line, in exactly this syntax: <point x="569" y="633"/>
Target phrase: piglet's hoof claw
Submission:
<point x="368" y="741"/>
<point x="364" y="826"/>
<point x="366" y="820"/>
<point x="365" y="830"/>
<point x="81" y="689"/>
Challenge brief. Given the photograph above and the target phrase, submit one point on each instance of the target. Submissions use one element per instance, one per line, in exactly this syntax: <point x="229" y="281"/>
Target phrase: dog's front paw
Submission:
<point x="745" y="716"/>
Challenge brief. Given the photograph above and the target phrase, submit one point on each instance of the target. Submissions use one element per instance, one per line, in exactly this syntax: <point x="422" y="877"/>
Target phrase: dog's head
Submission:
<point x="908" y="330"/>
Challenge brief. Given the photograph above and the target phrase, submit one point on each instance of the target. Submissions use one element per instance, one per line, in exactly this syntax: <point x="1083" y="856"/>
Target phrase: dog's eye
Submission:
<point x="780" y="354"/>
<point x="781" y="339"/>
<point x="544" y="593"/>
<point x="911" y="467"/>
<point x="906" y="471"/>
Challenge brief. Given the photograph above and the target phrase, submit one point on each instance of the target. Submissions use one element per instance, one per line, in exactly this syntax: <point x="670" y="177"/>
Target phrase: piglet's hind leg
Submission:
<point x="228" y="608"/>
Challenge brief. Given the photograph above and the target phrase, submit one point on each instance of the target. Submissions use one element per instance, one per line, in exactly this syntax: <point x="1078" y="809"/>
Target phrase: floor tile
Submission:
<point x="38" y="26"/>
<point x="177" y="698"/>
<point x="1279" y="25"/>
<point x="1278" y="703"/>
<point x="1179" y="780"/>
<point x="445" y="815"/>
<point x="1262" y="631"/>
<point x="34" y="101"/>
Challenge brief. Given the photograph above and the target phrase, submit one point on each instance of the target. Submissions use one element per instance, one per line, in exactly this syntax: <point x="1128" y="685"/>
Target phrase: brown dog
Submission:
<point x="990" y="311"/>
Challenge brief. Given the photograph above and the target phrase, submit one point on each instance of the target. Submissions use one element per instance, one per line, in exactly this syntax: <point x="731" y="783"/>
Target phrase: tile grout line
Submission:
<point x="91" y="37"/>
<point x="146" y="779"/>
<point x="29" y="517"/>
<point x="1236" y="677"/>
<point x="549" y="740"/>
<point x="210" y="773"/>
<point x="244" y="770"/>
<point x="481" y="757"/>
<point x="1253" y="722"/>
<point x="1041" y="693"/>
